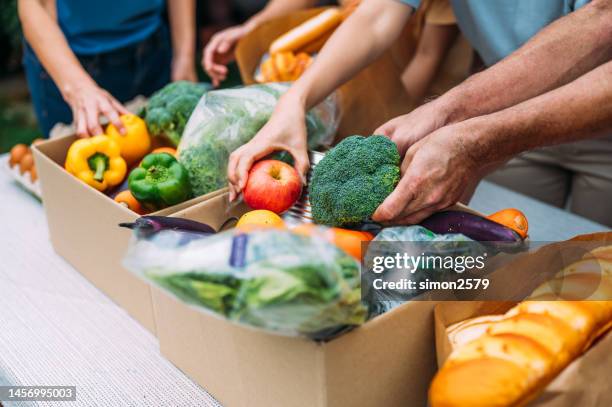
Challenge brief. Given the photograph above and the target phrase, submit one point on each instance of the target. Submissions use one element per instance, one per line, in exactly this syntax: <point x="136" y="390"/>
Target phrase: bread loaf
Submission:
<point x="505" y="360"/>
<point x="307" y="32"/>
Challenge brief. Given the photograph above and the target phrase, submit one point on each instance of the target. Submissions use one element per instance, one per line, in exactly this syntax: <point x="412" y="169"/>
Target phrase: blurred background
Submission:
<point x="17" y="120"/>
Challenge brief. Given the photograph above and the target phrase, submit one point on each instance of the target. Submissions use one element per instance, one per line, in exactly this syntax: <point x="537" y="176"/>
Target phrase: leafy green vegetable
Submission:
<point x="287" y="283"/>
<point x="353" y="179"/>
<point x="229" y="118"/>
<point x="169" y="109"/>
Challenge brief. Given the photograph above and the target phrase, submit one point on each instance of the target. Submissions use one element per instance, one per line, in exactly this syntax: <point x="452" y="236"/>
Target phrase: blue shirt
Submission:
<point x="496" y="28"/>
<point x="97" y="26"/>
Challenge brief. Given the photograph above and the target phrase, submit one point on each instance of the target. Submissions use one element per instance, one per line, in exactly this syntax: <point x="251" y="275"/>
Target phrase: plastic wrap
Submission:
<point x="226" y="119"/>
<point x="414" y="241"/>
<point x="270" y="278"/>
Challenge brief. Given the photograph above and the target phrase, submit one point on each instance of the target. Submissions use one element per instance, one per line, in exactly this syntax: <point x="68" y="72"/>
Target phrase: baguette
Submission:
<point x="307" y="32"/>
<point x="507" y="360"/>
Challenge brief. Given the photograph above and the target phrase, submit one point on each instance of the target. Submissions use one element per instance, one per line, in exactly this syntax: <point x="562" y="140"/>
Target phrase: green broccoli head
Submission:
<point x="353" y="179"/>
<point x="168" y="110"/>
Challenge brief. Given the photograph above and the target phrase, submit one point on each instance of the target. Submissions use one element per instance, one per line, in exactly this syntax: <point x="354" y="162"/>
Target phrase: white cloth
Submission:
<point x="58" y="329"/>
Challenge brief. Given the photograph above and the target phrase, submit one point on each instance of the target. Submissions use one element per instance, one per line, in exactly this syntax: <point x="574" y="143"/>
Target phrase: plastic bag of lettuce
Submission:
<point x="225" y="119"/>
<point x="270" y="278"/>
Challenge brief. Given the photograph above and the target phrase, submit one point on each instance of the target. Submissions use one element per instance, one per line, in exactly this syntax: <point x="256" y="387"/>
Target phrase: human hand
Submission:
<point x="285" y="131"/>
<point x="436" y="171"/>
<point x="183" y="69"/>
<point x="407" y="129"/>
<point x="88" y="102"/>
<point x="220" y="51"/>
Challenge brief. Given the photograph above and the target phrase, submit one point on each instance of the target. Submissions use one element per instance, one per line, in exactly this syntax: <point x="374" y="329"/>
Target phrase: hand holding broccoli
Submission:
<point x="436" y="172"/>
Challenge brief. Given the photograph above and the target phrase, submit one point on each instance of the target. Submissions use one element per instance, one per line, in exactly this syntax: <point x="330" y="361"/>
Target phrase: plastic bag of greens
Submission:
<point x="419" y="242"/>
<point x="226" y="119"/>
<point x="270" y="278"/>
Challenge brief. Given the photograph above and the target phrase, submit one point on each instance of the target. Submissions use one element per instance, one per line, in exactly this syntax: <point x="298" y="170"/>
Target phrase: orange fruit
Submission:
<point x="513" y="219"/>
<point x="260" y="218"/>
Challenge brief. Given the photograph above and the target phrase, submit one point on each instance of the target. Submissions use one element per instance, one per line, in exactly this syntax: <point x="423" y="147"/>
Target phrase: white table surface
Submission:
<point x="58" y="329"/>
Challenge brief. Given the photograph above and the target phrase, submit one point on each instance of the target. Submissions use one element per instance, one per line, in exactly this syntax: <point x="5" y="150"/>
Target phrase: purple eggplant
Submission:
<point x="146" y="226"/>
<point x="473" y="226"/>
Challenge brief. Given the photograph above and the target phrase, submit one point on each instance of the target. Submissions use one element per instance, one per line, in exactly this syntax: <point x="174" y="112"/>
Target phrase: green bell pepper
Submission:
<point x="160" y="181"/>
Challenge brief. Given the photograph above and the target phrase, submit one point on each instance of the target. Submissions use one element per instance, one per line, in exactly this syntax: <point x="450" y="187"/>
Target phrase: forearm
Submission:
<point x="277" y="8"/>
<point x="350" y="49"/>
<point x="181" y="14"/>
<point x="579" y="110"/>
<point x="48" y="42"/>
<point x="560" y="53"/>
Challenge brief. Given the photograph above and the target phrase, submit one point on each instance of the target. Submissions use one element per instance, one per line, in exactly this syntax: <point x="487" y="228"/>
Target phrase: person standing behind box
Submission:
<point x="83" y="59"/>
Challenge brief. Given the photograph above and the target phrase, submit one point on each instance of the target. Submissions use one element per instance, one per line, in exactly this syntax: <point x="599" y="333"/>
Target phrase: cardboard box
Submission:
<point x="374" y="96"/>
<point x="83" y="230"/>
<point x="388" y="361"/>
<point x="585" y="381"/>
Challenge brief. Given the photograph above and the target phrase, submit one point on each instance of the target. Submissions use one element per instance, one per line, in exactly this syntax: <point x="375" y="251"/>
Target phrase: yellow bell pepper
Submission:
<point x="136" y="142"/>
<point x="97" y="162"/>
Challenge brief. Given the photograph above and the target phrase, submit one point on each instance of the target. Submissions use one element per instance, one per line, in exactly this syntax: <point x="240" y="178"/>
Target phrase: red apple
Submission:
<point x="272" y="185"/>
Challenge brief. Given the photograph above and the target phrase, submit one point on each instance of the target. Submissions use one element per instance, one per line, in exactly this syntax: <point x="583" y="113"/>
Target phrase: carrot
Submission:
<point x="350" y="241"/>
<point x="126" y="199"/>
<point x="345" y="239"/>
<point x="513" y="219"/>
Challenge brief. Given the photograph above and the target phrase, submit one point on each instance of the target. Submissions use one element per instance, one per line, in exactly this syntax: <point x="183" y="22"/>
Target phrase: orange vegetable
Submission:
<point x="513" y="219"/>
<point x="350" y="241"/>
<point x="126" y="199"/>
<point x="284" y="66"/>
<point x="17" y="153"/>
<point x="347" y="240"/>
<point x="136" y="143"/>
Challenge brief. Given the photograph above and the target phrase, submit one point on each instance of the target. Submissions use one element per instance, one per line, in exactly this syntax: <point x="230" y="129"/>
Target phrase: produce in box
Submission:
<point x="160" y="181"/>
<point x="226" y="119"/>
<point x="169" y="109"/>
<point x="269" y="278"/>
<point x="353" y="179"/>
<point x="97" y="162"/>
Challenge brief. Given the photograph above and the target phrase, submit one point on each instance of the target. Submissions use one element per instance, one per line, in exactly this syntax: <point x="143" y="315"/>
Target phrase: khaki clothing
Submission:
<point x="576" y="176"/>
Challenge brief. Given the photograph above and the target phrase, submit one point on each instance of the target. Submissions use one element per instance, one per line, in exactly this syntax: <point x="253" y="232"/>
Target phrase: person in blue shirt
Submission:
<point x="83" y="59"/>
<point x="548" y="82"/>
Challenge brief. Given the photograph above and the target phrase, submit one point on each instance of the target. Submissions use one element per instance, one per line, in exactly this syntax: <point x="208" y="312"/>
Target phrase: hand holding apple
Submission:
<point x="272" y="185"/>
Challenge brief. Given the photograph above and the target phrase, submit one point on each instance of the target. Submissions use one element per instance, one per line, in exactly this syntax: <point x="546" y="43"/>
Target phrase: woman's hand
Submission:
<point x="183" y="69"/>
<point x="220" y="51"/>
<point x="88" y="102"/>
<point x="285" y="131"/>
